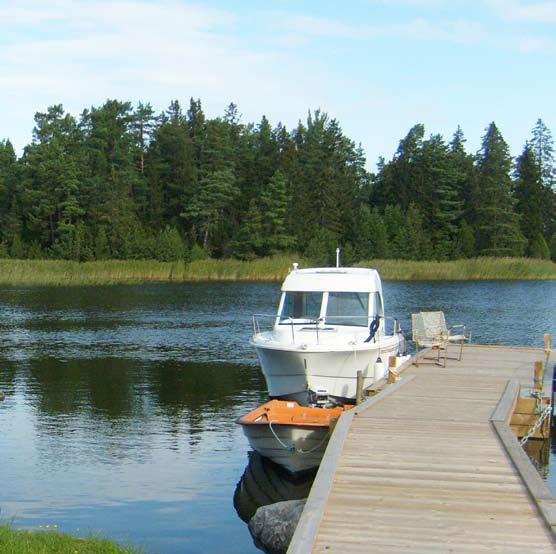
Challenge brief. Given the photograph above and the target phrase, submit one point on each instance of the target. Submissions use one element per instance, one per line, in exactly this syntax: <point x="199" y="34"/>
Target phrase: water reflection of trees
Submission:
<point x="123" y="392"/>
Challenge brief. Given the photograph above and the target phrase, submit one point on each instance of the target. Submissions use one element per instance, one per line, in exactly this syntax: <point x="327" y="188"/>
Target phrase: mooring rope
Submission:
<point x="292" y="448"/>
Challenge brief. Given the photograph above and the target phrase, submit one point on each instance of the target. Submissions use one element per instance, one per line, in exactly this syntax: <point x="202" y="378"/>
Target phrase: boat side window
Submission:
<point x="301" y="305"/>
<point x="348" y="308"/>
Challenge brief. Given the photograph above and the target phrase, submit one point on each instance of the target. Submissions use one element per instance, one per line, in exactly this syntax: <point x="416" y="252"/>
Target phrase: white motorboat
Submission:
<point x="330" y="325"/>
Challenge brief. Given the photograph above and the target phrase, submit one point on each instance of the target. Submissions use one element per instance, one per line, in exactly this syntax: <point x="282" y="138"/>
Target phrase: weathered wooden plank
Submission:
<point x="305" y="533"/>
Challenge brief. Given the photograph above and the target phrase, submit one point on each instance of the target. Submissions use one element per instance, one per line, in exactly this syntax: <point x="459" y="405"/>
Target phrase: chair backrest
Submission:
<point x="434" y="324"/>
<point x="418" y="331"/>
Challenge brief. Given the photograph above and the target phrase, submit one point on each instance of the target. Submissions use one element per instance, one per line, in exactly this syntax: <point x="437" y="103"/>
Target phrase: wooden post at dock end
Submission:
<point x="539" y="375"/>
<point x="547" y="351"/>
<point x="359" y="389"/>
<point x="392" y="373"/>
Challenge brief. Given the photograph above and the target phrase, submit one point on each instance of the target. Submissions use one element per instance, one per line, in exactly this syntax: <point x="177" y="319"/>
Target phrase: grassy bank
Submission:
<point x="14" y="541"/>
<point x="62" y="272"/>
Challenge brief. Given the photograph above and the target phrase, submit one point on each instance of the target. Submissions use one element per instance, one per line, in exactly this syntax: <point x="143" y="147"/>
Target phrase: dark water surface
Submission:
<point x="121" y="401"/>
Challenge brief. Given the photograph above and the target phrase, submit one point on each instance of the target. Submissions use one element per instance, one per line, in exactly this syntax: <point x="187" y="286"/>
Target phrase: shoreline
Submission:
<point x="113" y="272"/>
<point x="27" y="541"/>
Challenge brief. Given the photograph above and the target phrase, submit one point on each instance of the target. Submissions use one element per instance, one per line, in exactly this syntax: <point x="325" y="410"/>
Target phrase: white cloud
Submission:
<point x="430" y="4"/>
<point x="528" y="45"/>
<point x="523" y="11"/>
<point x="323" y="27"/>
<point x="457" y="31"/>
<point x="80" y="53"/>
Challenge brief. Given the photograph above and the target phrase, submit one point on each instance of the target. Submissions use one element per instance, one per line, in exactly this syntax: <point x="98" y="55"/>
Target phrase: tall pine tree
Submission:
<point x="498" y="231"/>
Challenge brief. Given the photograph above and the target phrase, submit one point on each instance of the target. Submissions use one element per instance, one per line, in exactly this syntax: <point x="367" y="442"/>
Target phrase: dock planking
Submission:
<point x="430" y="465"/>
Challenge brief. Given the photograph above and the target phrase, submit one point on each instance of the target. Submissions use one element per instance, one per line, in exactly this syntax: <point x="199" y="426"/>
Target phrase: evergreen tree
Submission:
<point x="538" y="248"/>
<point x="172" y="169"/>
<point x="418" y="244"/>
<point x="325" y="190"/>
<point x="274" y="208"/>
<point x="371" y="241"/>
<point x="463" y="166"/>
<point x="51" y="178"/>
<point x="497" y="230"/>
<point x="8" y="183"/>
<point x="123" y="183"/>
<point x="170" y="246"/>
<point x="438" y="196"/>
<point x="529" y="193"/>
<point x="396" y="226"/>
<point x="543" y="148"/>
<point x="397" y="181"/>
<point x="142" y="126"/>
<point x="208" y="209"/>
<point x="321" y="249"/>
<point x="467" y="241"/>
<point x="101" y="245"/>
<point x="248" y="242"/>
<point x="112" y="171"/>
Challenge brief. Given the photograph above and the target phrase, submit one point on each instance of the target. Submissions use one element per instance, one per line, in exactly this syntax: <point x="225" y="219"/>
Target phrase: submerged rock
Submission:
<point x="273" y="525"/>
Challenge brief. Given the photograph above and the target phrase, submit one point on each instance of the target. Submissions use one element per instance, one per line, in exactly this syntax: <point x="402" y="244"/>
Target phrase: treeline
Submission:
<point x="123" y="182"/>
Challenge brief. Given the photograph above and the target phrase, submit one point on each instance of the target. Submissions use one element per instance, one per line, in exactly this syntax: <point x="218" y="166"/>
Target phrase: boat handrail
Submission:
<point x="318" y="322"/>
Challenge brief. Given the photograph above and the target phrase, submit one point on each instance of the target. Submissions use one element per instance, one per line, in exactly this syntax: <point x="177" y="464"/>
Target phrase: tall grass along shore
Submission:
<point x="63" y="272"/>
<point x="14" y="541"/>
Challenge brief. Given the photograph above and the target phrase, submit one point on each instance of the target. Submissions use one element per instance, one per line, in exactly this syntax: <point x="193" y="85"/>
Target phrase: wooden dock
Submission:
<point x="430" y="465"/>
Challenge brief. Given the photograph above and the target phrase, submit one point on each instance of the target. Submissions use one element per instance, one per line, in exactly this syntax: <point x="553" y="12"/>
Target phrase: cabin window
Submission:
<point x="348" y="308"/>
<point x="302" y="305"/>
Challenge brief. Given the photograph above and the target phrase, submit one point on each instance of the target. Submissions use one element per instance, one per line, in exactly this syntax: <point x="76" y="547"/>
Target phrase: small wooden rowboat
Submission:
<point x="291" y="435"/>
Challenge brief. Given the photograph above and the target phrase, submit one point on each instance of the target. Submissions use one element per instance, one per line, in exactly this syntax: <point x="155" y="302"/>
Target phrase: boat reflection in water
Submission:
<point x="263" y="482"/>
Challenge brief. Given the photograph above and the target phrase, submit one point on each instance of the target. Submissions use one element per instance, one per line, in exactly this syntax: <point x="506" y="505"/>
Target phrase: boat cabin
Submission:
<point x="331" y="296"/>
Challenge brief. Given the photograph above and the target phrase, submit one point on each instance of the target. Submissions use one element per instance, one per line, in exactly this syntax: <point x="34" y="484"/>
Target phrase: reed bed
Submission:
<point x="63" y="272"/>
<point x="14" y="541"/>
<point x="474" y="269"/>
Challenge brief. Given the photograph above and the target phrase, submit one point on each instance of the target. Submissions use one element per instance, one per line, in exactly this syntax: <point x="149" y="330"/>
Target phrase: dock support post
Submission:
<point x="539" y="375"/>
<point x="359" y="389"/>
<point x="392" y="373"/>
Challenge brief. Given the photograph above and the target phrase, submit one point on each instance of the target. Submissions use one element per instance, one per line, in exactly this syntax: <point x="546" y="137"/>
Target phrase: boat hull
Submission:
<point x="291" y="372"/>
<point x="292" y="436"/>
<point x="296" y="449"/>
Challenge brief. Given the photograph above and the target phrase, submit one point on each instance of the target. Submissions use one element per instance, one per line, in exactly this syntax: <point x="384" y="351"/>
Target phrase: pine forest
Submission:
<point x="121" y="182"/>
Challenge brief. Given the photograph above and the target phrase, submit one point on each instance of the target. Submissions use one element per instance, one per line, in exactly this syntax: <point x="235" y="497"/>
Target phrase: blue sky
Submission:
<point x="378" y="66"/>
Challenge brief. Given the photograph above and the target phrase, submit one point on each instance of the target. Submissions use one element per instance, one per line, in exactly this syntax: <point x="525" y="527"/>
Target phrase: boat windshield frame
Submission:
<point x="295" y="304"/>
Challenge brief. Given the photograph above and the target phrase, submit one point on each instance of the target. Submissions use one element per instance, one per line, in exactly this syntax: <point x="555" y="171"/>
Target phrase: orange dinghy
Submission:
<point x="291" y="435"/>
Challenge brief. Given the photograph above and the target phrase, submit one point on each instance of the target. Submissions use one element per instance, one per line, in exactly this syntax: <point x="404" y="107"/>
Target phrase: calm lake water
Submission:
<point x="121" y="401"/>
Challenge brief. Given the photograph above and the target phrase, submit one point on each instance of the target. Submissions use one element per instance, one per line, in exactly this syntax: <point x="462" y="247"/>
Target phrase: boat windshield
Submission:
<point x="348" y="308"/>
<point x="301" y="305"/>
